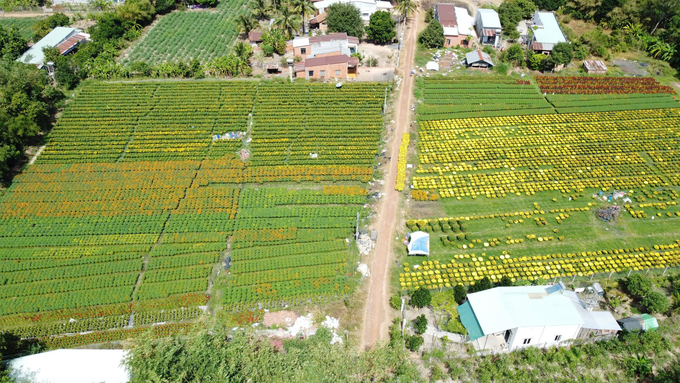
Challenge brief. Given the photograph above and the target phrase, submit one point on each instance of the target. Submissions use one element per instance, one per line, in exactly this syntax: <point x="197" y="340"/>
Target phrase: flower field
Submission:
<point x="601" y="85"/>
<point x="523" y="190"/>
<point x="129" y="210"/>
<point x="201" y="34"/>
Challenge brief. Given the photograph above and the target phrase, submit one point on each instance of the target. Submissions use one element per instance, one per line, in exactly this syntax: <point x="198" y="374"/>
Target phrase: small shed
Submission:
<point x="255" y="36"/>
<point x="644" y="322"/>
<point x="478" y="59"/>
<point x="595" y="66"/>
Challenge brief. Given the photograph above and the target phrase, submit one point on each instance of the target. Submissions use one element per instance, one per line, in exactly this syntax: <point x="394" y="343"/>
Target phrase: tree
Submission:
<point x="562" y="53"/>
<point x="12" y="45"/>
<point x="345" y="17"/>
<point x="659" y="12"/>
<point x="421" y="298"/>
<point x="137" y="11"/>
<point x="429" y="15"/>
<point x="459" y="293"/>
<point x="164" y="6"/>
<point x="275" y="39"/>
<point x="304" y="8"/>
<point x="662" y="50"/>
<point x="527" y="7"/>
<point x="381" y="27"/>
<point x="638" y="285"/>
<point x="100" y="5"/>
<point x="27" y="101"/>
<point x="260" y="9"/>
<point x="482" y="284"/>
<point x="510" y="14"/>
<point x="432" y="36"/>
<point x="45" y="26"/>
<point x="536" y="61"/>
<point x="243" y="51"/>
<point x="414" y="342"/>
<point x="514" y="54"/>
<point x="288" y="21"/>
<point x="406" y="8"/>
<point x="109" y="26"/>
<point x="395" y="302"/>
<point x="655" y="302"/>
<point x="420" y="324"/>
<point x="245" y="23"/>
<point x="505" y="281"/>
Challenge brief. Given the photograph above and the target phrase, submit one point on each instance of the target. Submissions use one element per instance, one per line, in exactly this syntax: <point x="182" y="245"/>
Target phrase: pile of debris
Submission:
<point x="608" y="214"/>
<point x="365" y="243"/>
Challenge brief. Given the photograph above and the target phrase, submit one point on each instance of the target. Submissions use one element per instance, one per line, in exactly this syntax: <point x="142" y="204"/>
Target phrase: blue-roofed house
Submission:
<point x="545" y="32"/>
<point x="510" y="318"/>
<point x="63" y="38"/>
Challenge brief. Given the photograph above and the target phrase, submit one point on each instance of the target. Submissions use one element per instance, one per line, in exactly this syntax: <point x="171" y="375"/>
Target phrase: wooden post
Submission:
<point x="664" y="270"/>
<point x="629" y="271"/>
<point x="610" y="274"/>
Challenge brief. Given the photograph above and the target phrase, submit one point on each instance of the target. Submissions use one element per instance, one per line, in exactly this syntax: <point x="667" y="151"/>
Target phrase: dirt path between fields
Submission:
<point x="376" y="310"/>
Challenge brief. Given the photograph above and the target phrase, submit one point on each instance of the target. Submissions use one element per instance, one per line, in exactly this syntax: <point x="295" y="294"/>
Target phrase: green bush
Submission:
<point x="638" y="285"/>
<point x="421" y="298"/>
<point x="459" y="293"/>
<point x="432" y="36"/>
<point x="655" y="302"/>
<point x="395" y="302"/>
<point x="414" y="342"/>
<point x="536" y="61"/>
<point x="420" y="324"/>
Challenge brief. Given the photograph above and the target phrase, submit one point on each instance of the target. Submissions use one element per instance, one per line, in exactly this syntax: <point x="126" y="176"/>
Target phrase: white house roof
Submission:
<point x="382" y="5"/>
<point x="465" y="21"/>
<point x="504" y="308"/>
<point x="34" y="55"/>
<point x="71" y="366"/>
<point x="378" y="4"/>
<point x="300" y="42"/>
<point x="450" y="31"/>
<point x="551" y="32"/>
<point x="489" y="18"/>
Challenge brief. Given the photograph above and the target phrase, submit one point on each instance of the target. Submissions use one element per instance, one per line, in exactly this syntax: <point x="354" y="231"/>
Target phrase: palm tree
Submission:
<point x="243" y="51"/>
<point x="304" y="8"/>
<point x="260" y="9"/>
<point x="406" y="8"/>
<point x="662" y="50"/>
<point x="287" y="20"/>
<point x="245" y="23"/>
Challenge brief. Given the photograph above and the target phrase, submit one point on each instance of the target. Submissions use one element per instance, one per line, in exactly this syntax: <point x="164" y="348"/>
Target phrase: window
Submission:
<point x="527" y="341"/>
<point x="303" y="51"/>
<point x="323" y="73"/>
<point x="337" y="72"/>
<point x="311" y="73"/>
<point x="558" y="338"/>
<point x="448" y="41"/>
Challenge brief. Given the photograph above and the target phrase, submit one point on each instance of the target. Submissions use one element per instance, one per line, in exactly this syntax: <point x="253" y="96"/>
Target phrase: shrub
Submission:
<point x="421" y="298"/>
<point x="536" y="61"/>
<point x="414" y="342"/>
<point x="638" y="285"/>
<point x="395" y="302"/>
<point x="420" y="324"/>
<point x="655" y="302"/>
<point x="459" y="293"/>
<point x="432" y="36"/>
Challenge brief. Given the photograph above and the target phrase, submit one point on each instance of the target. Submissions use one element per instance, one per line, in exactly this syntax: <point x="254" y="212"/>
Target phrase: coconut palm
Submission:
<point x="662" y="50"/>
<point x="243" y="51"/>
<point x="304" y="8"/>
<point x="287" y="20"/>
<point x="406" y="8"/>
<point x="260" y="9"/>
<point x="245" y="23"/>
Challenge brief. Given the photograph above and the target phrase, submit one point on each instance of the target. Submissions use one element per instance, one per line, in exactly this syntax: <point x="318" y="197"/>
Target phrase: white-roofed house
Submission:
<point x="367" y="7"/>
<point x="545" y="32"/>
<point x="63" y="38"/>
<point x="326" y="45"/>
<point x="457" y="23"/>
<point x="510" y="318"/>
<point x="488" y="26"/>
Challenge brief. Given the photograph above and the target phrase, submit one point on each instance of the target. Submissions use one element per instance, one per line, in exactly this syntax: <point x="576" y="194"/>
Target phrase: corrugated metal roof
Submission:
<point x="504" y="308"/>
<point x="489" y="32"/>
<point x="595" y="65"/>
<point x="70" y="43"/>
<point x="464" y="21"/>
<point x="489" y="18"/>
<point x="550" y="32"/>
<point x="255" y="36"/>
<point x="450" y="31"/>
<point x="537" y="46"/>
<point x="317" y="61"/>
<point x="446" y="15"/>
<point x="35" y="54"/>
<point x="477" y="56"/>
<point x="321" y="17"/>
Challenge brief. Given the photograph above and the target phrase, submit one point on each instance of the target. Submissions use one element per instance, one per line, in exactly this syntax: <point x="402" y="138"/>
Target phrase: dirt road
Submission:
<point x="376" y="310"/>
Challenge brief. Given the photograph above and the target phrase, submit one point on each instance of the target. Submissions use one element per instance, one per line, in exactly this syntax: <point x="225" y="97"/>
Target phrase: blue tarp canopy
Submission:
<point x="470" y="322"/>
<point x="419" y="243"/>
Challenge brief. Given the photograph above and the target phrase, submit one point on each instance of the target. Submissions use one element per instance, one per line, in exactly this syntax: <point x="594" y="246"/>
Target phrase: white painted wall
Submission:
<point x="541" y="336"/>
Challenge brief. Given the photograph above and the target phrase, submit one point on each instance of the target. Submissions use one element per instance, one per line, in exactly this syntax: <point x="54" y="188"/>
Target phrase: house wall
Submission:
<point x="297" y="51"/>
<point x="541" y="336"/>
<point x="452" y="41"/>
<point x="336" y="53"/>
<point x="329" y="71"/>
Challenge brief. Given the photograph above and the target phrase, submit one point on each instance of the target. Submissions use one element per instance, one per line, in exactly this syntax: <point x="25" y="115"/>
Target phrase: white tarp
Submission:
<point x="431" y="65"/>
<point x="419" y="243"/>
<point x="71" y="366"/>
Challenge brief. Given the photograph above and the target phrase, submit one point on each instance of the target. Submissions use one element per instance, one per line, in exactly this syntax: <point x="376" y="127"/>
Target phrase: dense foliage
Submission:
<point x="421" y="297"/>
<point x="44" y="26"/>
<point x="432" y="36"/>
<point x="345" y="17"/>
<point x="12" y="44"/>
<point x="27" y="103"/>
<point x="381" y="27"/>
<point x="641" y="288"/>
<point x="211" y="356"/>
